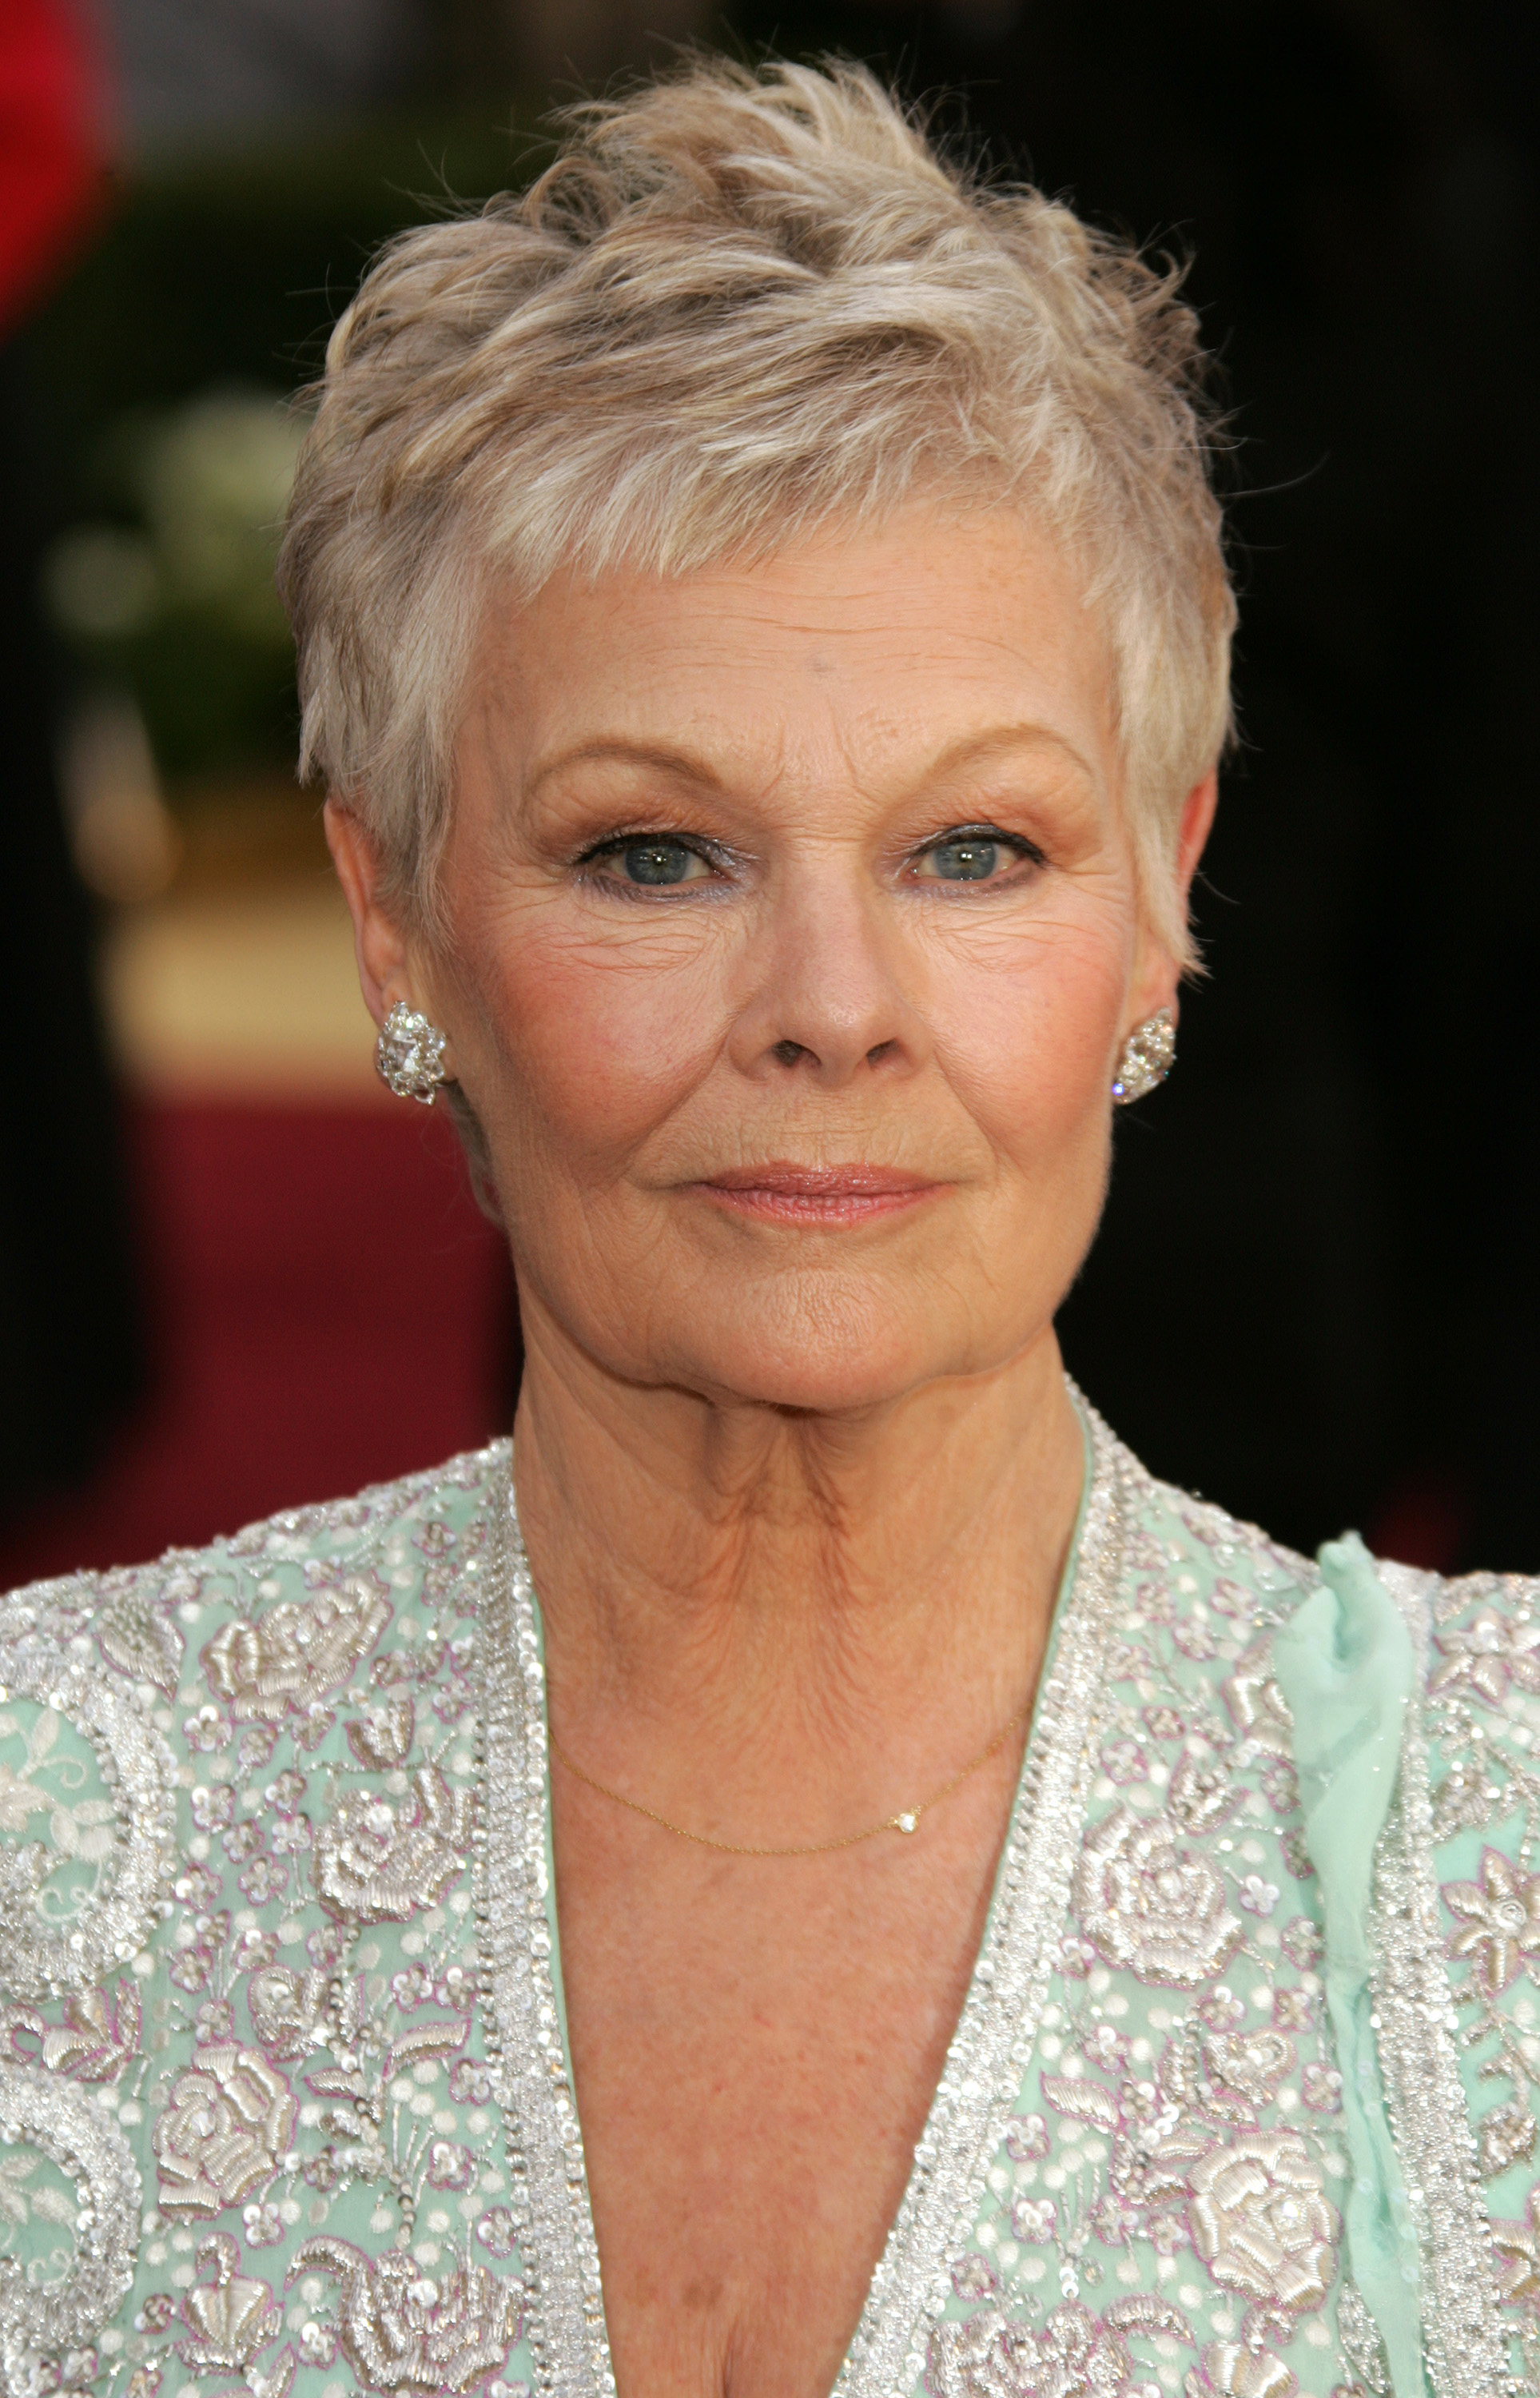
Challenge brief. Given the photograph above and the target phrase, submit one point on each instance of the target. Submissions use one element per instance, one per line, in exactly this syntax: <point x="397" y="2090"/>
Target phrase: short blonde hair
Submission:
<point x="736" y="307"/>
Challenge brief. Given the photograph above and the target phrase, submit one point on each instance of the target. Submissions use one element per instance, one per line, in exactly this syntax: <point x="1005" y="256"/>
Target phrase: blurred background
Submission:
<point x="235" y="1275"/>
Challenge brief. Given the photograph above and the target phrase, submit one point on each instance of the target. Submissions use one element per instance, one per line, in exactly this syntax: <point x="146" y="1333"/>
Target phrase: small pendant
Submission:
<point x="905" y="1824"/>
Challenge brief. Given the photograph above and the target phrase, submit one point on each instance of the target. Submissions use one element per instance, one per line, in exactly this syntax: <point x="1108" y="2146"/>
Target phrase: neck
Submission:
<point x="736" y="1596"/>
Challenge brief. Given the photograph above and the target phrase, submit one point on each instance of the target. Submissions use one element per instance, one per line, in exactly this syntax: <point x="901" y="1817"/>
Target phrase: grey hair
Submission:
<point x="737" y="307"/>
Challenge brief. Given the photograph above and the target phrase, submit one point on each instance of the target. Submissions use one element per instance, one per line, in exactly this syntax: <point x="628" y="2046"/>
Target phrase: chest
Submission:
<point x="756" y="2047"/>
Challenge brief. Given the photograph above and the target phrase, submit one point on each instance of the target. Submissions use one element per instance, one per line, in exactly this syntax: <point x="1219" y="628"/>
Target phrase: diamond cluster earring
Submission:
<point x="1148" y="1054"/>
<point x="410" y="1055"/>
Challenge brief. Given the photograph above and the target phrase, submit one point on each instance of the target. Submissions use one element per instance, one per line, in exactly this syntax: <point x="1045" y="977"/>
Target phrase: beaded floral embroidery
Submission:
<point x="284" y="2100"/>
<point x="249" y="2123"/>
<point x="1473" y="1789"/>
<point x="1162" y="2211"/>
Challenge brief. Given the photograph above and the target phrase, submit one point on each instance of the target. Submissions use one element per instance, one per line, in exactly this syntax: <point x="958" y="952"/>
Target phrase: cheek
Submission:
<point x="1026" y="1025"/>
<point x="598" y="1043"/>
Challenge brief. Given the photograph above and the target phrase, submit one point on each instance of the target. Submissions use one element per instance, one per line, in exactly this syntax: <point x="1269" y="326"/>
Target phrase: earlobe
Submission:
<point x="1147" y="1058"/>
<point x="378" y="944"/>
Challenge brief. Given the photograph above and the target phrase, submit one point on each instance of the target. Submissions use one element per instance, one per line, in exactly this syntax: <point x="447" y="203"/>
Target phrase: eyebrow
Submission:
<point x="615" y="751"/>
<point x="978" y="748"/>
<point x="686" y="765"/>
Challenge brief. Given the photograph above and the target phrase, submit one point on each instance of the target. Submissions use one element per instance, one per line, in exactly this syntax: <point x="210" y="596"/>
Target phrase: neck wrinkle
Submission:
<point x="728" y="1597"/>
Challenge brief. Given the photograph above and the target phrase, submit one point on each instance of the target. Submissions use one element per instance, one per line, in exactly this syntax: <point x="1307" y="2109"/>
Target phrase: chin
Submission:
<point x="822" y="1359"/>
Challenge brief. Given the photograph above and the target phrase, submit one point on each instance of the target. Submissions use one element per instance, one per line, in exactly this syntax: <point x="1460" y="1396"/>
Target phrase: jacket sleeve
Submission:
<point x="244" y="2095"/>
<point x="1480" y="1768"/>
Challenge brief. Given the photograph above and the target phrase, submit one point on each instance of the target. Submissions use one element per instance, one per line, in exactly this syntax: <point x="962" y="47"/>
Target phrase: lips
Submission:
<point x="783" y="1191"/>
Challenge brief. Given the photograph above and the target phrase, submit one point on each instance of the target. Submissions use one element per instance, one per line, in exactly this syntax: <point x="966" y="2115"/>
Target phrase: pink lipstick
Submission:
<point x="782" y="1193"/>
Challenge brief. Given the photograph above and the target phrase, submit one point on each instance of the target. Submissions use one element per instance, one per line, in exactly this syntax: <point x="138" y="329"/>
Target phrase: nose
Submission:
<point x="832" y="986"/>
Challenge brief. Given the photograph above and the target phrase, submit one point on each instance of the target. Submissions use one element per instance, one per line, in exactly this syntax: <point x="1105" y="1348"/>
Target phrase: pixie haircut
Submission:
<point x="737" y="308"/>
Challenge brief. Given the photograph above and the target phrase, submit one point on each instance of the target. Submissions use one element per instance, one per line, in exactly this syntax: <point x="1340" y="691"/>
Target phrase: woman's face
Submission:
<point x="795" y="934"/>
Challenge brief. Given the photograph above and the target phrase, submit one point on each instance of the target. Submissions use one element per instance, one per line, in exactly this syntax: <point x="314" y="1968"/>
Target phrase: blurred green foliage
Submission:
<point x="167" y="366"/>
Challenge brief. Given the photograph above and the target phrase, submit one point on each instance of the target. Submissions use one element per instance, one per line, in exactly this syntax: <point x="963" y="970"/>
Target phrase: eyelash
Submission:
<point x="716" y="854"/>
<point x="1024" y="849"/>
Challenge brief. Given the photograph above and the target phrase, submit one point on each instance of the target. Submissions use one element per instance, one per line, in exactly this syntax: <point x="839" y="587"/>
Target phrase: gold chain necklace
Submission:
<point x="906" y="1820"/>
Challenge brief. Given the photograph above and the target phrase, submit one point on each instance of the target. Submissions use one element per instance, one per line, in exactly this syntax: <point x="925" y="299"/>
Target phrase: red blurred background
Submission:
<point x="239" y="1275"/>
<point x="325" y="1306"/>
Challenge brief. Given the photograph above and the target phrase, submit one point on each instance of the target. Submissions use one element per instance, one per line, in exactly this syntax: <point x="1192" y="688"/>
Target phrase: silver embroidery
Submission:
<point x="1466" y="2340"/>
<point x="1464" y="1800"/>
<point x="407" y="2332"/>
<point x="224" y="2128"/>
<point x="42" y="2321"/>
<point x="1361" y="2344"/>
<point x="383" y="1736"/>
<point x="1505" y="2137"/>
<point x="135" y="1637"/>
<point x="289" y="1658"/>
<point x="1262" y="2221"/>
<point x="1230" y="2371"/>
<point x="1151" y="1905"/>
<point x="39" y="1959"/>
<point x="1075" y="2356"/>
<point x="292" y="2013"/>
<point x="96" y="2039"/>
<point x="1492" y="1651"/>
<point x="1499" y="1919"/>
<point x="376" y="1865"/>
<point x="548" y="2194"/>
<point x="1253" y="2063"/>
<point x="989" y="2050"/>
<point x="228" y="2318"/>
<point x="1257" y="1704"/>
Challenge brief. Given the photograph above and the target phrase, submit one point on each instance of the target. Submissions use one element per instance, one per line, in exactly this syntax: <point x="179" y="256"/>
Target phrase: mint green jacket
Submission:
<point x="1242" y="2098"/>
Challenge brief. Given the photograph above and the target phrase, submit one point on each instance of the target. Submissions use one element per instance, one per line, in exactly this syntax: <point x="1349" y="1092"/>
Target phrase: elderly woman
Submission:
<point x="810" y="1871"/>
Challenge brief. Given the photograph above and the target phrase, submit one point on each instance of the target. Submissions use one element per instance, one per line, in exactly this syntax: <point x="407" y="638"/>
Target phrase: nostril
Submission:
<point x="881" y="1050"/>
<point x="786" y="1053"/>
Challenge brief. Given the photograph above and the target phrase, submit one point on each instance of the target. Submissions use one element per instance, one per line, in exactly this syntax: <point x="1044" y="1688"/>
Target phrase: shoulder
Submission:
<point x="1472" y="1807"/>
<point x="1207" y="1592"/>
<point x="1473" y="1750"/>
<point x="1453" y="1893"/>
<point x="1199" y="1548"/>
<point x="129" y="1697"/>
<point x="323" y="1583"/>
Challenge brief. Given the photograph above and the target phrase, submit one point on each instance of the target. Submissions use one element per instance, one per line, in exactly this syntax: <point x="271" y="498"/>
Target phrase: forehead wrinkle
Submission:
<point x="689" y="734"/>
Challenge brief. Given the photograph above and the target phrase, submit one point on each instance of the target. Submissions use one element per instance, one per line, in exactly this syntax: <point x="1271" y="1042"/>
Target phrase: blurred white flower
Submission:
<point x="215" y="477"/>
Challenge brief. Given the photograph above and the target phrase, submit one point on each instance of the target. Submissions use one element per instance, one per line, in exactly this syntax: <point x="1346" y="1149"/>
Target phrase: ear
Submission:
<point x="1157" y="973"/>
<point x="379" y="943"/>
<point x="1197" y="815"/>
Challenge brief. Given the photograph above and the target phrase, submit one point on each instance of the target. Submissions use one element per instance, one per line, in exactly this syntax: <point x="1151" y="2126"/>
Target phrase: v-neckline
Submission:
<point x="990" y="2048"/>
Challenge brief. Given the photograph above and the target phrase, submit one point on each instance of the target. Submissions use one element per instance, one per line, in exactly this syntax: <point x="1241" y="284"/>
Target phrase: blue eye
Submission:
<point x="657" y="861"/>
<point x="649" y="861"/>
<point x="972" y="860"/>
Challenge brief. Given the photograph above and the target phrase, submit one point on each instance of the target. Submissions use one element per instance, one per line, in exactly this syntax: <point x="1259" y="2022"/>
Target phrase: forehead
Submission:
<point x="878" y="647"/>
